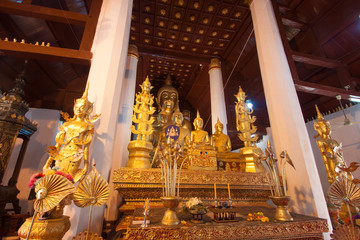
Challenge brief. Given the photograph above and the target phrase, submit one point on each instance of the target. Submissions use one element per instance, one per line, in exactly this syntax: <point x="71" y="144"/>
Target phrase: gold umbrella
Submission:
<point x="50" y="190"/>
<point x="94" y="191"/>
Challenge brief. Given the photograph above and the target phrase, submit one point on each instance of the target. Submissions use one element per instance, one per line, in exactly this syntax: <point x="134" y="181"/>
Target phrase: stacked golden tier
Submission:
<point x="140" y="149"/>
<point x="245" y="125"/>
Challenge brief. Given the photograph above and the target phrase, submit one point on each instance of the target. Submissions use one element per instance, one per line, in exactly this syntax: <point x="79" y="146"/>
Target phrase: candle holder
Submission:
<point x="230" y="203"/>
<point x="216" y="203"/>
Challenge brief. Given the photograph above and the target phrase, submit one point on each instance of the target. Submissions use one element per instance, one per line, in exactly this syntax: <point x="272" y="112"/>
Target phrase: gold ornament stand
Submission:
<point x="249" y="156"/>
<point x="230" y="162"/>
<point x="139" y="154"/>
<point x="50" y="229"/>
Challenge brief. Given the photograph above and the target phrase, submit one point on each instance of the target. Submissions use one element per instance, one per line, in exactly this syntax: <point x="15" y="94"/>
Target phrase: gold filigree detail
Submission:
<point x="146" y="31"/>
<point x="205" y="21"/>
<point x="146" y="40"/>
<point x="219" y="23"/>
<point x="188" y="29"/>
<point x="173" y="36"/>
<point x="175" y="27"/>
<point x="201" y="31"/>
<point x="213" y="34"/>
<point x="196" y="5"/>
<point x="182" y="48"/>
<point x="206" y="51"/>
<point x="132" y="28"/>
<point x="192" y="18"/>
<point x="133" y="38"/>
<point x="186" y="38"/>
<point x="210" y="42"/>
<point x="160" y="34"/>
<point x="159" y="43"/>
<point x="194" y="49"/>
<point x="147" y="8"/>
<point x="232" y="25"/>
<point x="210" y="8"/>
<point x="163" y="12"/>
<point x="147" y="20"/>
<point x="237" y="14"/>
<point x="178" y="15"/>
<point x="225" y="11"/>
<point x="226" y="35"/>
<point x="197" y="40"/>
<point x="161" y="24"/>
<point x="171" y="45"/>
<point x="181" y="2"/>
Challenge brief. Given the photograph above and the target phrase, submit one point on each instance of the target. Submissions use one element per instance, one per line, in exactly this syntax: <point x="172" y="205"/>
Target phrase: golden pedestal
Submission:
<point x="50" y="229"/>
<point x="203" y="159"/>
<point x="230" y="162"/>
<point x="249" y="156"/>
<point x="139" y="154"/>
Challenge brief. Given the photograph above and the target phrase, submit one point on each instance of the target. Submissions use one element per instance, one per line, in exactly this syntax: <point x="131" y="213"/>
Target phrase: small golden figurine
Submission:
<point x="140" y="149"/>
<point x="245" y="125"/>
<point x="326" y="146"/>
<point x="219" y="140"/>
<point x="199" y="137"/>
<point x="201" y="154"/>
<point x="73" y="140"/>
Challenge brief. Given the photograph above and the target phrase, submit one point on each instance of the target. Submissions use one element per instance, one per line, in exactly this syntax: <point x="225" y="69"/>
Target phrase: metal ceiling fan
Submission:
<point x="347" y="121"/>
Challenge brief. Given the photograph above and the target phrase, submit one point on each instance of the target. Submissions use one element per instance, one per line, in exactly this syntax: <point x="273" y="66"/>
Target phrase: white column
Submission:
<point x="287" y="123"/>
<point x="106" y="76"/>
<point x="218" y="108"/>
<point x="123" y="132"/>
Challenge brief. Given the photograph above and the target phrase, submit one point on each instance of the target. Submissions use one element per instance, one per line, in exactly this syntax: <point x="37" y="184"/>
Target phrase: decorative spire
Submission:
<point x="320" y="117"/>
<point x="168" y="80"/>
<point x="85" y="94"/>
<point x="198" y="114"/>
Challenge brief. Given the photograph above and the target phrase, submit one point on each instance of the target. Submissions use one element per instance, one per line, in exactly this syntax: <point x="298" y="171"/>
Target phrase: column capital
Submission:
<point x="215" y="63"/>
<point x="133" y="51"/>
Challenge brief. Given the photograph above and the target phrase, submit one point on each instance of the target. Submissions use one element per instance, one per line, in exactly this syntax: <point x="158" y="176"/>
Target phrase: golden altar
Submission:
<point x="303" y="227"/>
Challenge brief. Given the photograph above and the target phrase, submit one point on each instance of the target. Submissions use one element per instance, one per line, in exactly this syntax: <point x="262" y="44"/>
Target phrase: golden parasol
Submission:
<point x="50" y="190"/>
<point x="94" y="191"/>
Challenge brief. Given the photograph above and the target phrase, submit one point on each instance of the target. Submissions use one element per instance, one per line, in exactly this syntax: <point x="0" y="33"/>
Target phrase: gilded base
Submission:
<point x="282" y="213"/>
<point x="202" y="158"/>
<point x="230" y="162"/>
<point x="249" y="156"/>
<point x="170" y="218"/>
<point x="50" y="229"/>
<point x="139" y="154"/>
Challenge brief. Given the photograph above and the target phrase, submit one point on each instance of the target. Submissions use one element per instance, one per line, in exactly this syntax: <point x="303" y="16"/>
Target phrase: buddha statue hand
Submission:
<point x="80" y="174"/>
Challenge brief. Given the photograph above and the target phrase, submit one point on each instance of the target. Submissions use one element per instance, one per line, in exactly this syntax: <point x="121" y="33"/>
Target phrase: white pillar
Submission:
<point x="218" y="107"/>
<point x="287" y="123"/>
<point x="123" y="132"/>
<point x="106" y="76"/>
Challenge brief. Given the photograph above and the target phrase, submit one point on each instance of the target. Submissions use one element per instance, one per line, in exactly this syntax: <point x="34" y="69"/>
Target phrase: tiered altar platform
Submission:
<point x="303" y="227"/>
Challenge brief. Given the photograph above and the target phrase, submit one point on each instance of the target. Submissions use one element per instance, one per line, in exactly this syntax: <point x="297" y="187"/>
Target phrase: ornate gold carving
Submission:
<point x="186" y="38"/>
<point x="178" y="15"/>
<point x="146" y="31"/>
<point x="175" y="27"/>
<point x="163" y="12"/>
<point x="147" y="20"/>
<point x="161" y="24"/>
<point x="132" y="28"/>
<point x="238" y="14"/>
<point x="201" y="31"/>
<point x="205" y="21"/>
<point x="51" y="229"/>
<point x="214" y="64"/>
<point x="225" y="11"/>
<point x="182" y="47"/>
<point x="210" y="8"/>
<point x="147" y="8"/>
<point x="196" y="5"/>
<point x="133" y="51"/>
<point x="192" y="18"/>
<point x="226" y="35"/>
<point x="232" y="25"/>
<point x="219" y="23"/>
<point x="87" y="236"/>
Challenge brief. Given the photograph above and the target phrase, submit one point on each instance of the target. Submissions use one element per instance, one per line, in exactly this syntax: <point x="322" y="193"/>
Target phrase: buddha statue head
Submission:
<point x="322" y="127"/>
<point x="198" y="122"/>
<point x="167" y="97"/>
<point x="241" y="95"/>
<point x="82" y="106"/>
<point x="177" y="118"/>
<point x="218" y="126"/>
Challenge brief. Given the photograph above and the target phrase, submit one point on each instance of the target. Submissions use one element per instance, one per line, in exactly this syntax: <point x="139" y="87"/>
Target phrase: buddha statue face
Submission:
<point x="219" y="127"/>
<point x="168" y="99"/>
<point x="198" y="124"/>
<point x="80" y="108"/>
<point x="178" y="119"/>
<point x="322" y="127"/>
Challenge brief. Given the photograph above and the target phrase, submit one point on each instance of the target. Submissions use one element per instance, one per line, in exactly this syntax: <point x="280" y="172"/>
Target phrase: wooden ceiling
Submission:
<point x="179" y="37"/>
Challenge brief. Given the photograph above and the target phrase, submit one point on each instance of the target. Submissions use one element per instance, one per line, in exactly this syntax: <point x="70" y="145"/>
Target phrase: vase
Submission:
<point x="197" y="216"/>
<point x="281" y="213"/>
<point x="170" y="203"/>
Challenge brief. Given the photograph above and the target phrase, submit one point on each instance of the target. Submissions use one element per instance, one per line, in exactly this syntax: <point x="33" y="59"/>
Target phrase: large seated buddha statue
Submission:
<point x="201" y="153"/>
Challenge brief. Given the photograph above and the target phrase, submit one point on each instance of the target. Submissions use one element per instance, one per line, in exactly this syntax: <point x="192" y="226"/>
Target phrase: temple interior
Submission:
<point x="233" y="102"/>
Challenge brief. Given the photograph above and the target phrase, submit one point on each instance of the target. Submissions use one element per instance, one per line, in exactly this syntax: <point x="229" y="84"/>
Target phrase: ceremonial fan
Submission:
<point x="50" y="190"/>
<point x="94" y="191"/>
<point x="344" y="191"/>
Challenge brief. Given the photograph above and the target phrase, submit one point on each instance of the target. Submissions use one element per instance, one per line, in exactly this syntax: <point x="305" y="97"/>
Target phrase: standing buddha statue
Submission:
<point x="245" y="125"/>
<point x="326" y="146"/>
<point x="73" y="140"/>
<point x="140" y="149"/>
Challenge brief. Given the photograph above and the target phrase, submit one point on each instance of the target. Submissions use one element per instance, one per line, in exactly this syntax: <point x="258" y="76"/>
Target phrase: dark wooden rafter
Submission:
<point x="45" y="13"/>
<point x="29" y="51"/>
<point x="309" y="87"/>
<point x="293" y="23"/>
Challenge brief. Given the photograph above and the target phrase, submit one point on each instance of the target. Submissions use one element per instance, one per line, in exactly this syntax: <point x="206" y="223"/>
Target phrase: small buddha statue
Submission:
<point x="177" y="119"/>
<point x="73" y="140"/>
<point x="219" y="140"/>
<point x="326" y="146"/>
<point x="199" y="137"/>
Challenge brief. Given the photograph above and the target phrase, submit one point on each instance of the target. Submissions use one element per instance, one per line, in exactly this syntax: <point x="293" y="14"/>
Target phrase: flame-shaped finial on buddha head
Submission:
<point x="219" y="126"/>
<point x="198" y="121"/>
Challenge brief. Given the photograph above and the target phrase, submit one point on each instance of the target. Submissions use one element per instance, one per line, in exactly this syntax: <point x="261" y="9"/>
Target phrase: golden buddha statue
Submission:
<point x="219" y="140"/>
<point x="73" y="140"/>
<point x="326" y="146"/>
<point x="178" y="119"/>
<point x="245" y="125"/>
<point x="202" y="155"/>
<point x="140" y="149"/>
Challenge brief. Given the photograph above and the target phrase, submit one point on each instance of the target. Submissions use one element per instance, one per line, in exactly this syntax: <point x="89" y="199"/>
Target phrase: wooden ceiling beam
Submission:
<point x="30" y="51"/>
<point x="176" y="57"/>
<point x="293" y="23"/>
<point x="315" y="60"/>
<point x="45" y="13"/>
<point x="325" y="90"/>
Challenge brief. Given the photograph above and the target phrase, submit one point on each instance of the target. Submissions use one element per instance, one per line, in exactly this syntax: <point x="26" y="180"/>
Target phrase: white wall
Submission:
<point x="35" y="156"/>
